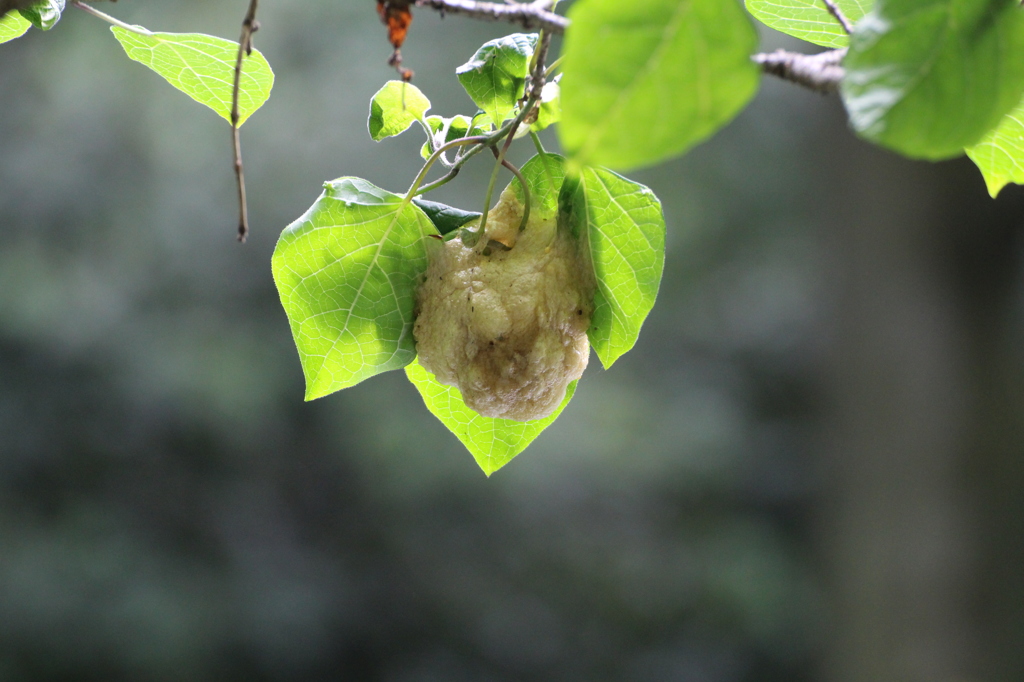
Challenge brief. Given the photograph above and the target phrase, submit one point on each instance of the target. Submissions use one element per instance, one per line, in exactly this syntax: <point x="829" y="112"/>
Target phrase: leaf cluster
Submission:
<point x="637" y="83"/>
<point x="348" y="269"/>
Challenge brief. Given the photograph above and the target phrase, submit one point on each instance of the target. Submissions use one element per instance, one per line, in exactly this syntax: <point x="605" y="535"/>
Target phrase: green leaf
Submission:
<point x="492" y="442"/>
<point x="394" y="108"/>
<point x="808" y="19"/>
<point x="495" y="76"/>
<point x="1000" y="154"/>
<point x="544" y="174"/>
<point x="203" y="67"/>
<point x="44" y="14"/>
<point x="445" y="218"/>
<point x="644" y="81"/>
<point x="448" y="129"/>
<point x="13" y="25"/>
<point x="624" y="230"/>
<point x="928" y="77"/>
<point x="347" y="272"/>
<point x="549" y="111"/>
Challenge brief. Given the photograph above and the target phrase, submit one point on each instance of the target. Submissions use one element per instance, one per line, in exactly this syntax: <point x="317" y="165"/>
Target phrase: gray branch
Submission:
<point x="529" y="15"/>
<point x="820" y="72"/>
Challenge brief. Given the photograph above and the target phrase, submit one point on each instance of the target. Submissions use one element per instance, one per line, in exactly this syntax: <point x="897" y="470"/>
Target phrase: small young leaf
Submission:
<point x="13" y="25"/>
<point x="203" y="67"/>
<point x="495" y="76"/>
<point x="445" y="218"/>
<point x="809" y="19"/>
<point x="44" y="14"/>
<point x="544" y="174"/>
<point x="492" y="442"/>
<point x="624" y="231"/>
<point x="644" y="81"/>
<point x="454" y="128"/>
<point x="1000" y="154"/>
<point x="926" y="78"/>
<point x="347" y="272"/>
<point x="394" y="108"/>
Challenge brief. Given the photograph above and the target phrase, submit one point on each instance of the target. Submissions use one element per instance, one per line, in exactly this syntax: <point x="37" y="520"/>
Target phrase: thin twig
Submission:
<point x="834" y="10"/>
<point x="820" y="72"/>
<point x="249" y="26"/>
<point x="531" y="15"/>
<point x="538" y="75"/>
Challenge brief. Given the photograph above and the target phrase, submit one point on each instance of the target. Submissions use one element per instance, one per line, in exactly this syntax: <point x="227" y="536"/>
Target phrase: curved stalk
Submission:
<point x="487" y="200"/>
<point x="434" y="157"/>
<point x="554" y="65"/>
<point x="526" y="193"/>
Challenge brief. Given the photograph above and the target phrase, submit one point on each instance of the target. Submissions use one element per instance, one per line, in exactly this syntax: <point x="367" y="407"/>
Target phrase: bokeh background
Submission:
<point x="809" y="468"/>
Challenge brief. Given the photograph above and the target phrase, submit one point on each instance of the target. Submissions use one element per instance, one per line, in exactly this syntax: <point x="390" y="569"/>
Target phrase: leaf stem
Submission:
<point x="443" y="180"/>
<point x="469" y="132"/>
<point x="526" y="193"/>
<point x="530" y="102"/>
<point x="480" y="142"/>
<point x="487" y="199"/>
<point x="109" y="19"/>
<point x="536" y="142"/>
<point x="554" y="65"/>
<point x="413" y="190"/>
<point x="429" y="132"/>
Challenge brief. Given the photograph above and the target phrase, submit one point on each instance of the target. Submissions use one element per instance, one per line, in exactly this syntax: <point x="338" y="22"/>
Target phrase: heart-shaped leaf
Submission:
<point x="495" y="76"/>
<point x="203" y="67"/>
<point x="492" y="442"/>
<point x="645" y="81"/>
<point x="394" y="108"/>
<point x="624" y="231"/>
<point x="927" y="78"/>
<point x="347" y="272"/>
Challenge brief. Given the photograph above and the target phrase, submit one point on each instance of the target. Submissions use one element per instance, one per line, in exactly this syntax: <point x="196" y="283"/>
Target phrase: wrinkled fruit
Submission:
<point x="507" y="324"/>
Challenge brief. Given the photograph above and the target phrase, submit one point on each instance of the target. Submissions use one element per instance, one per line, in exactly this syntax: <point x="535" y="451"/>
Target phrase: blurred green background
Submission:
<point x="808" y="468"/>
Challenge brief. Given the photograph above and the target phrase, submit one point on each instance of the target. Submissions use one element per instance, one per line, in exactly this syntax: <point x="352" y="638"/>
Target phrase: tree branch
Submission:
<point x="249" y="26"/>
<point x="529" y="15"/>
<point x="820" y="72"/>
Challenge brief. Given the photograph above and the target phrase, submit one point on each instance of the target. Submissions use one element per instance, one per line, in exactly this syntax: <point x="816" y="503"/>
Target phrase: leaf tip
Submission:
<point x="995" y="186"/>
<point x="317" y="384"/>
